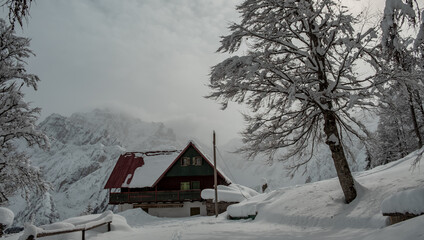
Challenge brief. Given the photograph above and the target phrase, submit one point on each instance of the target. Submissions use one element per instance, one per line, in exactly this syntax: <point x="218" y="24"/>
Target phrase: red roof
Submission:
<point x="127" y="163"/>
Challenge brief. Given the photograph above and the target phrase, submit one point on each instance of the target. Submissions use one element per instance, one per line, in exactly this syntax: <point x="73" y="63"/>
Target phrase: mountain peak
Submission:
<point x="108" y="127"/>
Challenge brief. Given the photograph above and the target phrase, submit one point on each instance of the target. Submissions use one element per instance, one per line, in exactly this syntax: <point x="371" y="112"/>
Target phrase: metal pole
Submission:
<point x="215" y="178"/>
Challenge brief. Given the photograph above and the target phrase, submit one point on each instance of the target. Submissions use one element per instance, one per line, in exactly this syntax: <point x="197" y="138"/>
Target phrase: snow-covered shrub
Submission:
<point x="6" y="219"/>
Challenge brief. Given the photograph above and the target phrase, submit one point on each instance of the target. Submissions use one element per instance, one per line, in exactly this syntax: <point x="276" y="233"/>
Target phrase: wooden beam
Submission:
<point x="159" y="205"/>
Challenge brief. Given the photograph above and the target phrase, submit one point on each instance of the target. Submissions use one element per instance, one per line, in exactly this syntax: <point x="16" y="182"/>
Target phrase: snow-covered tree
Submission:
<point x="398" y="15"/>
<point x="395" y="137"/>
<point x="403" y="69"/>
<point x="296" y="72"/>
<point x="17" y="118"/>
<point x="18" y="10"/>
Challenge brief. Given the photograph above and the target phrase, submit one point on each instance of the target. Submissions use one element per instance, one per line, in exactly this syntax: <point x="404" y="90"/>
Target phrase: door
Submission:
<point x="194" y="211"/>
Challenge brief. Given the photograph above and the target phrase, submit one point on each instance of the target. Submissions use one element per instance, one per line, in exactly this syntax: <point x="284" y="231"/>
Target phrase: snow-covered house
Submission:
<point x="163" y="183"/>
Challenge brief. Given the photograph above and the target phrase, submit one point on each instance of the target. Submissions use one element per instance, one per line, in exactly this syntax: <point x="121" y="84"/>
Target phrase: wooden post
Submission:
<point x="83" y="234"/>
<point x="156" y="193"/>
<point x="215" y="178"/>
<point x="108" y="226"/>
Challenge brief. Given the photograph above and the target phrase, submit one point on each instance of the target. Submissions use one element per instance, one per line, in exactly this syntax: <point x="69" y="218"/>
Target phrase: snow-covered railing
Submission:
<point x="154" y="196"/>
<point x="32" y="232"/>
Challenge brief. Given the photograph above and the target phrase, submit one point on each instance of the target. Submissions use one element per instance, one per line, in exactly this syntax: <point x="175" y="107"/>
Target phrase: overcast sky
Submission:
<point x="150" y="58"/>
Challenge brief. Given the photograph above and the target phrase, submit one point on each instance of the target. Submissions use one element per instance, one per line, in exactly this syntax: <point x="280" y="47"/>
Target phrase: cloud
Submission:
<point x="149" y="57"/>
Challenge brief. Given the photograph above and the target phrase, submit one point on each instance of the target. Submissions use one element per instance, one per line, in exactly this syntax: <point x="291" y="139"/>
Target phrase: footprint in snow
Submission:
<point x="176" y="235"/>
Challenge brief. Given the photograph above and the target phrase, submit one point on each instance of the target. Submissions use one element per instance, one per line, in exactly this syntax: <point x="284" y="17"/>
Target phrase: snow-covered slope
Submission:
<point x="84" y="150"/>
<point x="321" y="204"/>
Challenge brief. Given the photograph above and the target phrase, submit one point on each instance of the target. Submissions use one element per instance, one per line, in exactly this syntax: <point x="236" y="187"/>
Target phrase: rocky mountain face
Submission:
<point x="84" y="149"/>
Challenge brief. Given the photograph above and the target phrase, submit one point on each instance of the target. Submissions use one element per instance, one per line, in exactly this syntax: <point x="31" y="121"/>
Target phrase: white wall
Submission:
<point x="178" y="212"/>
<point x="125" y="206"/>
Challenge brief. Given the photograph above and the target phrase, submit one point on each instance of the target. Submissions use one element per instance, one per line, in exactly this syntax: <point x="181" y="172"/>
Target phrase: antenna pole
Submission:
<point x="215" y="178"/>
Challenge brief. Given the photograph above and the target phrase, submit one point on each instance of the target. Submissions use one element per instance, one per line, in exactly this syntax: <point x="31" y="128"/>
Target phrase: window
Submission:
<point x="195" y="185"/>
<point x="197" y="161"/>
<point x="185" y="185"/>
<point x="185" y="161"/>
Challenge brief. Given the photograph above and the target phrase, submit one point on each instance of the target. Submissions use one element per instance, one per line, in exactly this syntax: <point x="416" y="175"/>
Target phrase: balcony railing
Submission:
<point x="154" y="196"/>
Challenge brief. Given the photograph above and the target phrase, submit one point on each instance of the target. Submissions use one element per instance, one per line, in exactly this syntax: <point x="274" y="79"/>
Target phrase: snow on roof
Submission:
<point x="408" y="201"/>
<point x="145" y="169"/>
<point x="128" y="163"/>
<point x="154" y="166"/>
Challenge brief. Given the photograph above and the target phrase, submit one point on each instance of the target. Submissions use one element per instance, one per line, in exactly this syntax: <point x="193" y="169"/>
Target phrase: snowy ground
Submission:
<point x="311" y="211"/>
<point x="210" y="228"/>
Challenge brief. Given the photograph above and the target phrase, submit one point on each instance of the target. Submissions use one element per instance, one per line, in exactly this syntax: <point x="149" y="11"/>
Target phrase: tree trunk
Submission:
<point x="419" y="102"/>
<point x="338" y="155"/>
<point x="414" y="119"/>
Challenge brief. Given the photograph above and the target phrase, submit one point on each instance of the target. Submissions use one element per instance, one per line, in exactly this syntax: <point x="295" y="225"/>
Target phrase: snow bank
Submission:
<point x="246" y="208"/>
<point x="231" y="193"/>
<point x="409" y="201"/>
<point x="102" y="218"/>
<point x="6" y="216"/>
<point x="137" y="217"/>
<point x="119" y="223"/>
<point x="29" y="230"/>
<point x="321" y="204"/>
<point x="411" y="229"/>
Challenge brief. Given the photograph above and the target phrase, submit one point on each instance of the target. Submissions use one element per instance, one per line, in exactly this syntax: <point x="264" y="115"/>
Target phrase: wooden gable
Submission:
<point x="179" y="169"/>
